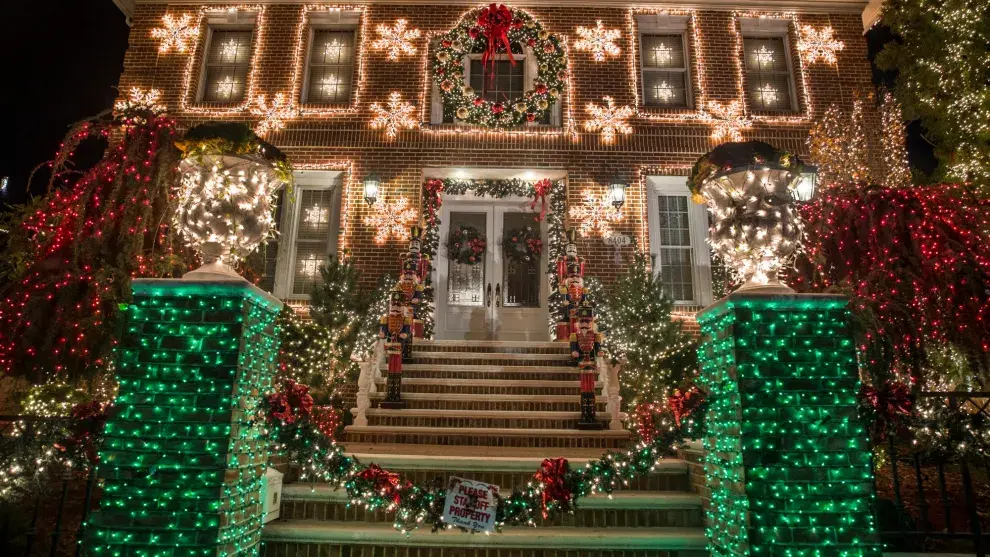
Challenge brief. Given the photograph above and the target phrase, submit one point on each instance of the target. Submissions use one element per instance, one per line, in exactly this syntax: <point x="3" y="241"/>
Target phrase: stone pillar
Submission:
<point x="184" y="456"/>
<point x="787" y="459"/>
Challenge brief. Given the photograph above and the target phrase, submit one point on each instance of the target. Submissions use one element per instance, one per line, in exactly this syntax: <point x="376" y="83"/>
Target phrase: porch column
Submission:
<point x="185" y="453"/>
<point x="787" y="459"/>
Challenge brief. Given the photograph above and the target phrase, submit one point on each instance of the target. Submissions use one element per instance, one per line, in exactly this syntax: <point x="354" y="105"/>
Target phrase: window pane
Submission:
<point x="331" y="66"/>
<point x="521" y="279"/>
<point x="227" y="64"/>
<point x="310" y="256"/>
<point x="270" y="249"/>
<point x="315" y="207"/>
<point x="663" y="51"/>
<point x="466" y="283"/>
<point x="675" y="272"/>
<point x="672" y="220"/>
<point x="664" y="88"/>
<point x="506" y="85"/>
<point x="768" y="84"/>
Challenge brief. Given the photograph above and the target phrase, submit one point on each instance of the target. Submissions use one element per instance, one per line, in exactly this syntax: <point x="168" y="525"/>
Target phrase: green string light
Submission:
<point x="184" y="456"/>
<point x="787" y="459"/>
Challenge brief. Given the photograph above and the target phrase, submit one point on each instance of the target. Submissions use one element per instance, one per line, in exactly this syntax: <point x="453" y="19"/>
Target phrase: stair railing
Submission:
<point x="608" y="374"/>
<point x="371" y="372"/>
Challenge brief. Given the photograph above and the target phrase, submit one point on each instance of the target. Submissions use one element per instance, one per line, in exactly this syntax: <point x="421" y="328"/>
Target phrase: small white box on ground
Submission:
<point x="271" y="495"/>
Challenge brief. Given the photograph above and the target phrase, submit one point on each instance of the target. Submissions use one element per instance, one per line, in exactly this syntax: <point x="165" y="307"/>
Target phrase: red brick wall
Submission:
<point x="661" y="142"/>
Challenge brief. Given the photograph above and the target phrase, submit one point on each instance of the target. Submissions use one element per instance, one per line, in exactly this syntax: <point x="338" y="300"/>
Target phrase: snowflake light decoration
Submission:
<point x="729" y="119"/>
<point x="229" y="50"/>
<point x="608" y="119"/>
<point x="818" y="44"/>
<point x="764" y="56"/>
<point x="397" y="116"/>
<point x="273" y="115"/>
<point x="663" y="91"/>
<point x="597" y="213"/>
<point x="316" y="215"/>
<point x="391" y="219"/>
<point x="396" y="40"/>
<point x="329" y="85"/>
<point x="333" y="50"/>
<point x="138" y="100"/>
<point x="769" y="94"/>
<point x="599" y="41"/>
<point x="176" y="33"/>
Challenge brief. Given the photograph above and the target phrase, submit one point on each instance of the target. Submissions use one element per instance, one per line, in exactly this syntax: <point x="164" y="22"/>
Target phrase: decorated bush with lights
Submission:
<point x="228" y="180"/>
<point x="748" y="188"/>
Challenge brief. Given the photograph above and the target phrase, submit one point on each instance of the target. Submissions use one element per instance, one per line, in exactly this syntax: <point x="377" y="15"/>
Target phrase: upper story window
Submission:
<point x="227" y="65"/>
<point x="331" y="60"/>
<point x="678" y="229"/>
<point x="767" y="65"/>
<point x="309" y="228"/>
<point x="665" y="74"/>
<point x="330" y="74"/>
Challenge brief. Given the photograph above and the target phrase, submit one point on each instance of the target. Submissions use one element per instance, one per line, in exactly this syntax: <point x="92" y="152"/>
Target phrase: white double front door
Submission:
<point x="495" y="298"/>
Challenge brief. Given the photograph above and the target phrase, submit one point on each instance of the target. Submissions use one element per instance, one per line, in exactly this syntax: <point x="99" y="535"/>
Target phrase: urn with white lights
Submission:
<point x="749" y="190"/>
<point x="229" y="178"/>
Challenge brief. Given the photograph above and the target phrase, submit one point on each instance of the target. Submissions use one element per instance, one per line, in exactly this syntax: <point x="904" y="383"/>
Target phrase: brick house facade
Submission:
<point x="665" y="141"/>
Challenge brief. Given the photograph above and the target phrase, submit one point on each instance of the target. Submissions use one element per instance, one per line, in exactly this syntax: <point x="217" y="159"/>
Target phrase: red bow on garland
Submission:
<point x="683" y="403"/>
<point x="541" y="189"/>
<point x="384" y="482"/>
<point x="552" y="474"/>
<point x="431" y="201"/>
<point x="645" y="418"/>
<point x="890" y="404"/>
<point x="495" y="22"/>
<point x="88" y="421"/>
<point x="291" y="403"/>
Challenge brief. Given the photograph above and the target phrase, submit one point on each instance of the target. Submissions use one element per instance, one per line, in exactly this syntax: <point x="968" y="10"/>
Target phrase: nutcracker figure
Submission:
<point x="415" y="269"/>
<point x="570" y="283"/>
<point x="585" y="344"/>
<point x="396" y="328"/>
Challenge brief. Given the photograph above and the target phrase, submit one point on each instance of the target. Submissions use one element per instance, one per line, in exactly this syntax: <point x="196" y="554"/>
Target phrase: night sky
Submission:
<point x="63" y="59"/>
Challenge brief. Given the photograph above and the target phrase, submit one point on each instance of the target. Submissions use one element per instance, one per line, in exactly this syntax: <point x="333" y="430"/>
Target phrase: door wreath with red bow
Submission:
<point x="493" y="32"/>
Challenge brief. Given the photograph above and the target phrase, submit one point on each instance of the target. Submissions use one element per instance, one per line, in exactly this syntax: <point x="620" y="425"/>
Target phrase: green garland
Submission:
<point x="496" y="189"/>
<point x="463" y="101"/>
<point x="415" y="505"/>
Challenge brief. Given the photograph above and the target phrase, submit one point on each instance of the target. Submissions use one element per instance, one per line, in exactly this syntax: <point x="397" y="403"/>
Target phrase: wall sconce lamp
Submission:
<point x="372" y="183"/>
<point x="617" y="192"/>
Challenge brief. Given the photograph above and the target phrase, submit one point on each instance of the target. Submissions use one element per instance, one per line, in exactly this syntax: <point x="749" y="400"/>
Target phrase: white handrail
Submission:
<point x="609" y="376"/>
<point x="370" y="374"/>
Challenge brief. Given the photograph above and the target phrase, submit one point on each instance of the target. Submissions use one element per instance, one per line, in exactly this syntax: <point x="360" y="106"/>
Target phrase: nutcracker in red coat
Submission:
<point x="415" y="269"/>
<point x="585" y="344"/>
<point x="396" y="328"/>
<point x="570" y="284"/>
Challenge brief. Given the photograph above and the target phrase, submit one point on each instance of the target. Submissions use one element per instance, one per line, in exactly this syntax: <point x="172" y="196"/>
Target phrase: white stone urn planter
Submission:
<point x="748" y="188"/>
<point x="225" y="207"/>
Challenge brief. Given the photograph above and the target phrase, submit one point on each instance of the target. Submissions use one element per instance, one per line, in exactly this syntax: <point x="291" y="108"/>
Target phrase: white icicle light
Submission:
<point x="755" y="227"/>
<point x="224" y="207"/>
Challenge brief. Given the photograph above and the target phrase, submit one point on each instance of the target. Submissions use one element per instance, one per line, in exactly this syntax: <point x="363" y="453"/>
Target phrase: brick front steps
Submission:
<point x="491" y="411"/>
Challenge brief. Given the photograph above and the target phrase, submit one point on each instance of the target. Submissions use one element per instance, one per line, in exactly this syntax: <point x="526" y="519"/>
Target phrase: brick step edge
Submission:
<point x="316" y="531"/>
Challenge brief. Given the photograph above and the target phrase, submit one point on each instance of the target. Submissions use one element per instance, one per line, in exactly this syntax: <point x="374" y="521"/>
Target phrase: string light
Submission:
<point x="273" y="115"/>
<point x="609" y="120"/>
<point x="396" y="40"/>
<point x="814" y="45"/>
<point x="729" y="120"/>
<point x="768" y="94"/>
<point x="599" y="41"/>
<point x="176" y="33"/>
<point x="596" y="213"/>
<point x="391" y="219"/>
<point x="396" y="116"/>
<point x="139" y="100"/>
<point x="316" y="215"/>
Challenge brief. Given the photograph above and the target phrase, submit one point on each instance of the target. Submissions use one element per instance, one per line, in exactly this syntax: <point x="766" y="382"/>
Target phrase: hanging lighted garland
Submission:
<point x="465" y="245"/>
<point x="550" y="192"/>
<point x="494" y="32"/>
<point x="522" y="244"/>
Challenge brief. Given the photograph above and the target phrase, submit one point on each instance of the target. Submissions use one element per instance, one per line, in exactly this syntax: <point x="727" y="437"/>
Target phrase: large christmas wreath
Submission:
<point x="494" y="31"/>
<point x="466" y="245"/>
<point x="522" y="244"/>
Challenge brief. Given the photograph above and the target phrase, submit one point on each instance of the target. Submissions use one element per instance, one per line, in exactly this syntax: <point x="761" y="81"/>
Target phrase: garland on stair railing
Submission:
<point x="556" y="488"/>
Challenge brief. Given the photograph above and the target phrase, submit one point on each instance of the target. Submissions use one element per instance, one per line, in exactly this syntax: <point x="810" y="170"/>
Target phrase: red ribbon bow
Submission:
<point x="683" y="403"/>
<point x="384" y="482"/>
<point x="433" y="189"/>
<point x="495" y="22"/>
<point x="541" y="189"/>
<point x="552" y="473"/>
<point x="291" y="403"/>
<point x="891" y="403"/>
<point x="89" y="419"/>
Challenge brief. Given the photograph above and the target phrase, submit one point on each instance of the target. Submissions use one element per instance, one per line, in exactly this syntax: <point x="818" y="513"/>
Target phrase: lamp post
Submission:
<point x="372" y="184"/>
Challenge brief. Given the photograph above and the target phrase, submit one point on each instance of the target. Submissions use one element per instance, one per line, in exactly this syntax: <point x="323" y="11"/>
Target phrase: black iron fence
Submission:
<point x="936" y="500"/>
<point x="46" y="518"/>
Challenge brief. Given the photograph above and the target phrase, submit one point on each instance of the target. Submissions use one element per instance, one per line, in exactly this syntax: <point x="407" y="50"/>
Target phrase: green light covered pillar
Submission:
<point x="787" y="458"/>
<point x="184" y="459"/>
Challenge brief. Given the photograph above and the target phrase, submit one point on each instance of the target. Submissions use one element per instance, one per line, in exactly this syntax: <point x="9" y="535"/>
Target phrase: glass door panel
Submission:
<point x="520" y="277"/>
<point x="465" y="281"/>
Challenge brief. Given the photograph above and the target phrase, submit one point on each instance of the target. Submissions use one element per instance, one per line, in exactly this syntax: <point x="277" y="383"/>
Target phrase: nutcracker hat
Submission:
<point x="397" y="296"/>
<point x="410" y="265"/>
<point x="586" y="310"/>
<point x="571" y="236"/>
<point x="415" y="232"/>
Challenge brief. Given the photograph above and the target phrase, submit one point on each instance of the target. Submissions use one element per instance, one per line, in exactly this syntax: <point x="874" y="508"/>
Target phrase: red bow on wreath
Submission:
<point x="552" y="474"/>
<point x="495" y="22"/>
<point x="683" y="403"/>
<point x="432" y="189"/>
<point x="291" y="403"/>
<point x="384" y="482"/>
<point x="890" y="404"/>
<point x="541" y="189"/>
